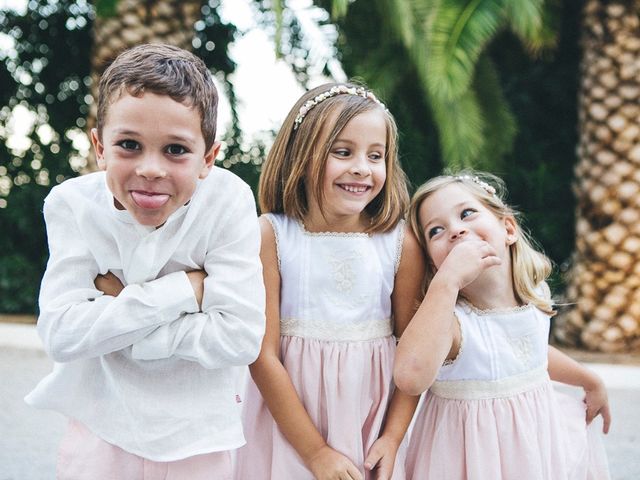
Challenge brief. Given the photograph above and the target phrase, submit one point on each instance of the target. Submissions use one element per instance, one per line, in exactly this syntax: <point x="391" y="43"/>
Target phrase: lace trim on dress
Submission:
<point x="331" y="234"/>
<point x="451" y="361"/>
<point x="400" y="241"/>
<point x="486" y="389"/>
<point x="326" y="330"/>
<point x="490" y="311"/>
<point x="275" y="232"/>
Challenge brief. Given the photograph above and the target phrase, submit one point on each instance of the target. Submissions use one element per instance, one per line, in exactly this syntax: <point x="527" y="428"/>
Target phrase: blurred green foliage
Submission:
<point x="48" y="74"/>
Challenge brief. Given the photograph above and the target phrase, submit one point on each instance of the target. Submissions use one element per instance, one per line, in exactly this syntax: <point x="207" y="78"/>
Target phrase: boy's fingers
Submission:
<point x="372" y="459"/>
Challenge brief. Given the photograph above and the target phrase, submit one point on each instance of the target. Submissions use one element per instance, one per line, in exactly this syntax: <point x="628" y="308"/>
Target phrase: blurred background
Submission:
<point x="544" y="94"/>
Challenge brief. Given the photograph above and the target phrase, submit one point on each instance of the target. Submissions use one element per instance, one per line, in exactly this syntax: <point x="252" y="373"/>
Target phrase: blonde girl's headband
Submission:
<point x="336" y="90"/>
<point x="490" y="189"/>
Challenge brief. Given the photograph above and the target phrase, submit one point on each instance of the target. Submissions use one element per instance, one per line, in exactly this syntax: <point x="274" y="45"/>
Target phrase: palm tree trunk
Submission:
<point x="604" y="282"/>
<point x="136" y="22"/>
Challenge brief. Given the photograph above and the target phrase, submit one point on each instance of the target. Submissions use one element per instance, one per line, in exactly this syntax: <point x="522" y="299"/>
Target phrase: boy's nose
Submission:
<point x="151" y="168"/>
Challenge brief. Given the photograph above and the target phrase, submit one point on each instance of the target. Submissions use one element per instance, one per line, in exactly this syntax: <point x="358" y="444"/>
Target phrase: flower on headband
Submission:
<point x="335" y="90"/>
<point x="490" y="189"/>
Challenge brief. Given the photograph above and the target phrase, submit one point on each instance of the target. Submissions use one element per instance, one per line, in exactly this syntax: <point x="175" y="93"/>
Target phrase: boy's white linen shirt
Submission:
<point x="146" y="370"/>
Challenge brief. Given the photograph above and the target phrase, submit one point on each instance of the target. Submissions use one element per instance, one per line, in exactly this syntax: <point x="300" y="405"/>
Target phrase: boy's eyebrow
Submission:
<point x="172" y="137"/>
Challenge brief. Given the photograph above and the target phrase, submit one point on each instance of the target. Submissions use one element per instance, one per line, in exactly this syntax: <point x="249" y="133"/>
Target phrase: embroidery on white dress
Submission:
<point x="522" y="349"/>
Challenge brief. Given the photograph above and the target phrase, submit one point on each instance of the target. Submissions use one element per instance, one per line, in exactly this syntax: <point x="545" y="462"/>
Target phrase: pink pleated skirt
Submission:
<point x="539" y="434"/>
<point x="344" y="386"/>
<point x="84" y="456"/>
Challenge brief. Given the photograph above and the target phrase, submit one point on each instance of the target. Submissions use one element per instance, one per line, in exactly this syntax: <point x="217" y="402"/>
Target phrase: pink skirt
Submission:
<point x="536" y="435"/>
<point x="84" y="456"/>
<point x="345" y="388"/>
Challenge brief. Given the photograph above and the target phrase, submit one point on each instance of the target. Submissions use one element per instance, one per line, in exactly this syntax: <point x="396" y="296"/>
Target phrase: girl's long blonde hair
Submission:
<point x="529" y="266"/>
<point x="299" y="155"/>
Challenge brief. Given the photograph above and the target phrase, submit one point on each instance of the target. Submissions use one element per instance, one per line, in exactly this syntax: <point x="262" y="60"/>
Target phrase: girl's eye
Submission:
<point x="376" y="157"/>
<point x="129" y="145"/>
<point x="342" y="152"/>
<point x="466" y="212"/>
<point x="434" y="231"/>
<point x="176" y="149"/>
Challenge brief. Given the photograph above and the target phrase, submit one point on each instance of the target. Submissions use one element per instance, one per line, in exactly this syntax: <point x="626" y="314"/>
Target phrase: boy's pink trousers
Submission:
<point x="84" y="456"/>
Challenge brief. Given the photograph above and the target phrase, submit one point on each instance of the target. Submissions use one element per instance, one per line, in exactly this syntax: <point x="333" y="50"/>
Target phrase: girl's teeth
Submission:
<point x="349" y="188"/>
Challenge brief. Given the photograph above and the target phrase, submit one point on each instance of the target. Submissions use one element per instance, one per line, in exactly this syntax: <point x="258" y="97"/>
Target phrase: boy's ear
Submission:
<point x="99" y="149"/>
<point x="512" y="230"/>
<point x="209" y="160"/>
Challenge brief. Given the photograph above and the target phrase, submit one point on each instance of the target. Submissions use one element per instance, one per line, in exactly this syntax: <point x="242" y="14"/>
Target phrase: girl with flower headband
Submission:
<point x="343" y="275"/>
<point x="478" y="343"/>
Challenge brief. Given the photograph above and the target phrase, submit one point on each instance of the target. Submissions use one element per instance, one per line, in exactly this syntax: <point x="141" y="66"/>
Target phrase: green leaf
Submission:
<point x="339" y="8"/>
<point x="500" y="127"/>
<point x="106" y="8"/>
<point x="456" y="34"/>
<point x="532" y="23"/>
<point x="401" y="19"/>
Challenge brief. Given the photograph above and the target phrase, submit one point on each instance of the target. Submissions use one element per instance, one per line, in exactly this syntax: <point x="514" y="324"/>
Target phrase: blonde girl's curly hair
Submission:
<point x="529" y="266"/>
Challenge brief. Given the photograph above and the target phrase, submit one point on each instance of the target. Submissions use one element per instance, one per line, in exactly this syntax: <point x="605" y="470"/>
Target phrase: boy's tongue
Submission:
<point x="149" y="200"/>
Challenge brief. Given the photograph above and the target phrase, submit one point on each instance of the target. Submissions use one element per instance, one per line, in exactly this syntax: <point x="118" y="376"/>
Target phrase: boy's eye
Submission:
<point x="466" y="212"/>
<point x="434" y="231"/>
<point x="176" y="149"/>
<point x="129" y="145"/>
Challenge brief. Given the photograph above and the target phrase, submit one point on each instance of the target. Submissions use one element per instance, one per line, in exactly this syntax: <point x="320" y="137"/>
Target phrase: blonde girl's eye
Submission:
<point x="376" y="156"/>
<point x="466" y="212"/>
<point x="434" y="231"/>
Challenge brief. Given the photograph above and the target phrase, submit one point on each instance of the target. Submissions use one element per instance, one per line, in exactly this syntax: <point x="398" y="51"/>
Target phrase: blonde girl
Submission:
<point x="342" y="274"/>
<point x="478" y="343"/>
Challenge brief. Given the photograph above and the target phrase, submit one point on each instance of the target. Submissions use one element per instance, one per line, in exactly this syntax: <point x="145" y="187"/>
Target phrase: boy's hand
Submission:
<point x="382" y="457"/>
<point x="196" y="277"/>
<point x="327" y="464"/>
<point x="467" y="260"/>
<point x="109" y="284"/>
<point x="597" y="403"/>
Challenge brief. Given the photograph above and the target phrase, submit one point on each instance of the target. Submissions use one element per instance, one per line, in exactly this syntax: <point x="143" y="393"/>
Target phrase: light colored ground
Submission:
<point x="29" y="437"/>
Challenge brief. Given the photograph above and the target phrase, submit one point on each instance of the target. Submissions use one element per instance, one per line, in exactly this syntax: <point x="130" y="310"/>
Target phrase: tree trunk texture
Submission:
<point x="604" y="281"/>
<point x="137" y="22"/>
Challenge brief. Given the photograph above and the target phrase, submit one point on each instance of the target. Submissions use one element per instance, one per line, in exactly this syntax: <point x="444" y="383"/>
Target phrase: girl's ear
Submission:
<point x="511" y="227"/>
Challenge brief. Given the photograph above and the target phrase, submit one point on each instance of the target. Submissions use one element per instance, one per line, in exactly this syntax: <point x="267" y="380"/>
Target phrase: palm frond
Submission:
<point x="277" y="9"/>
<point x="531" y="22"/>
<point x="460" y="129"/>
<point x="401" y="19"/>
<point x="339" y="8"/>
<point x="500" y="126"/>
<point x="456" y="35"/>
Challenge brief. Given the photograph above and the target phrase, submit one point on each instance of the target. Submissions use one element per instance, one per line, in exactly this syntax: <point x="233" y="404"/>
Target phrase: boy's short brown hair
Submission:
<point x="163" y="70"/>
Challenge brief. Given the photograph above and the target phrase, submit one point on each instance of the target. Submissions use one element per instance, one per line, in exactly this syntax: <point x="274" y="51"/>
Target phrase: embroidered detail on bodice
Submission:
<point x="342" y="268"/>
<point x="522" y="348"/>
<point x="332" y="331"/>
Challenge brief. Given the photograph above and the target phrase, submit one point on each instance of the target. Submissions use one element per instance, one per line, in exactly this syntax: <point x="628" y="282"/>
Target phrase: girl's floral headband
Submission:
<point x="337" y="90"/>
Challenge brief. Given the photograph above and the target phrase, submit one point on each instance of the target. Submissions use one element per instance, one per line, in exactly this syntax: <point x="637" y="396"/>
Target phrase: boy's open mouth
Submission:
<point x="149" y="200"/>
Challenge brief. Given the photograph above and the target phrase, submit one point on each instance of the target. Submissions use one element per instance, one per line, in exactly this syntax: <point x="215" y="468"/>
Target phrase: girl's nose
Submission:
<point x="151" y="168"/>
<point x="361" y="167"/>
<point x="458" y="233"/>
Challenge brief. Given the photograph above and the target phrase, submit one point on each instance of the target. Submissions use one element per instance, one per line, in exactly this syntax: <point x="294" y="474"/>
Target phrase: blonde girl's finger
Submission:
<point x="354" y="473"/>
<point x="606" y="418"/>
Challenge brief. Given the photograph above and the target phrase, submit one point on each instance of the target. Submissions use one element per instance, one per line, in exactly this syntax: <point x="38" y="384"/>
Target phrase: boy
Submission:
<point x="153" y="291"/>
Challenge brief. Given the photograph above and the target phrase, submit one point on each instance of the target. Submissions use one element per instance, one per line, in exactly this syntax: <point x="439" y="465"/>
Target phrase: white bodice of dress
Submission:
<point x="498" y="344"/>
<point x="335" y="286"/>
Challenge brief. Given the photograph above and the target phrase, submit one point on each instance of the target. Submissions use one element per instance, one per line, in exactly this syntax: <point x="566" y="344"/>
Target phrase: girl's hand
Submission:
<point x="382" y="457"/>
<point x="108" y="284"/>
<point x="327" y="464"/>
<point x="467" y="260"/>
<point x="597" y="403"/>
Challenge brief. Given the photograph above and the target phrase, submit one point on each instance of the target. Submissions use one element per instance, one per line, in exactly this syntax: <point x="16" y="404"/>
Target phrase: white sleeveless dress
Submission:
<point x="493" y="414"/>
<point x="336" y="344"/>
